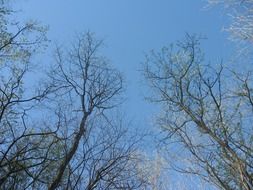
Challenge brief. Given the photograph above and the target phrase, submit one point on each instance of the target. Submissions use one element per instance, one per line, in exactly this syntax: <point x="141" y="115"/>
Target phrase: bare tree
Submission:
<point x="86" y="78"/>
<point x="206" y="111"/>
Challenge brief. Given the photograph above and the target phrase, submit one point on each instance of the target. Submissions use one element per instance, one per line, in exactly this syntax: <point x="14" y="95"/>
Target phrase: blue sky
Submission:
<point x="131" y="28"/>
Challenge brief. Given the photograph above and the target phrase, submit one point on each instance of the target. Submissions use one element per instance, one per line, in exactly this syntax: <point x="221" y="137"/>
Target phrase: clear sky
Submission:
<point x="131" y="28"/>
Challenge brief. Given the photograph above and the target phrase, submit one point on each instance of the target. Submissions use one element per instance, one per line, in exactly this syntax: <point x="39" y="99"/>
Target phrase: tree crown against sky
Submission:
<point x="204" y="113"/>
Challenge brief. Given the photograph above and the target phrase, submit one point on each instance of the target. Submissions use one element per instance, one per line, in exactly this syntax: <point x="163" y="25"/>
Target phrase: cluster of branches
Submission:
<point x="207" y="111"/>
<point x="241" y="13"/>
<point x="61" y="133"/>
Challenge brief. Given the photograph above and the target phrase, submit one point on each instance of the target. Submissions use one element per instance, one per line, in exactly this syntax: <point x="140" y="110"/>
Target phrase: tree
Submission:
<point x="206" y="111"/>
<point x="89" y="80"/>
